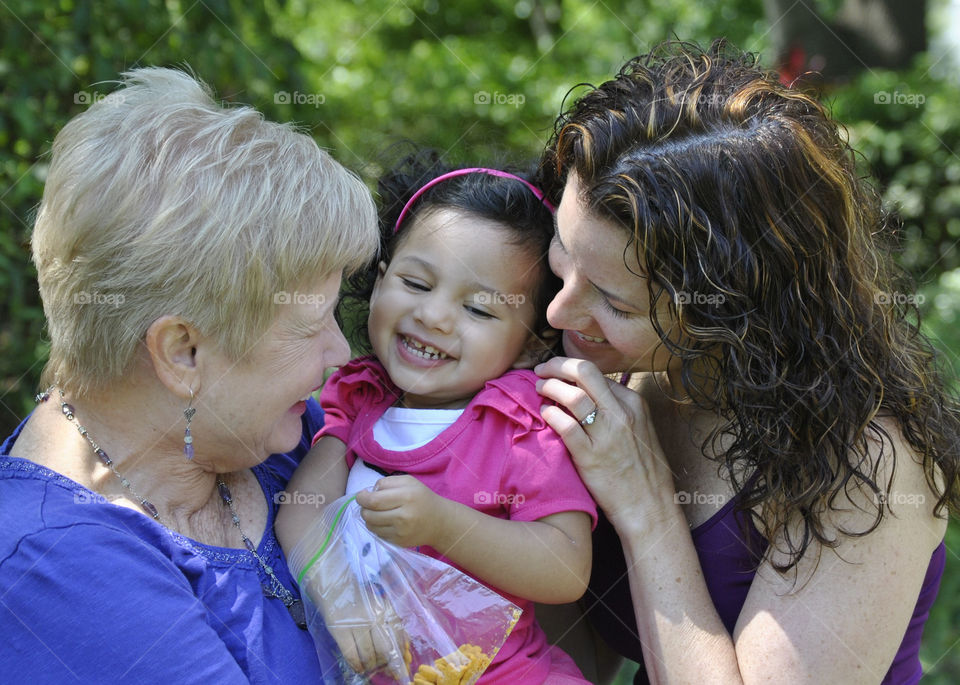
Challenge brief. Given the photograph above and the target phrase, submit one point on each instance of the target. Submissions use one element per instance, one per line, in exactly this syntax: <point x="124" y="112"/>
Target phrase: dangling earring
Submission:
<point x="187" y="438"/>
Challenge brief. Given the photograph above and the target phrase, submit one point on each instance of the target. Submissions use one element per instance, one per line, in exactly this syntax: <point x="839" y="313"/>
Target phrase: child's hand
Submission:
<point x="369" y="641"/>
<point x="358" y="615"/>
<point x="404" y="511"/>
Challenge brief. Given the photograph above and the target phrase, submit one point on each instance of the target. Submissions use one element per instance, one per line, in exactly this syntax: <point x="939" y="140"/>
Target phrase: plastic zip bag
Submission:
<point x="397" y="616"/>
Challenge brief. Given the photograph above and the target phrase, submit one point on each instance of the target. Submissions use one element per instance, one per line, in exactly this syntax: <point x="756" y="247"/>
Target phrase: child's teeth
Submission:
<point x="425" y="351"/>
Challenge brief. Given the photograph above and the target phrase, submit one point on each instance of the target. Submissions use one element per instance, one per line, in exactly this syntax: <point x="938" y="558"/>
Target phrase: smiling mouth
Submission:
<point x="590" y="338"/>
<point x="310" y="394"/>
<point x="418" y="349"/>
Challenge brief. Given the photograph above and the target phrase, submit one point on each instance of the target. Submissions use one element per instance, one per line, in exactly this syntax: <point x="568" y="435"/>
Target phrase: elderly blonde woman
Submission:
<point x="189" y="257"/>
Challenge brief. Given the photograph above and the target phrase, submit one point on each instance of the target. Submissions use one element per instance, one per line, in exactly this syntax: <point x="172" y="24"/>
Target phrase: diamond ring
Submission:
<point x="589" y="418"/>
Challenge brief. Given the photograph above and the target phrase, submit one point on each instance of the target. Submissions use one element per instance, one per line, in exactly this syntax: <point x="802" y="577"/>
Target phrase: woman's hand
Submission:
<point x="402" y="510"/>
<point x="618" y="455"/>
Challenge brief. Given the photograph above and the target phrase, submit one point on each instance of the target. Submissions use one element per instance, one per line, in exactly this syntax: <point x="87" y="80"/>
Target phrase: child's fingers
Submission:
<point x="388" y="493"/>
<point x="349" y="647"/>
<point x="377" y="520"/>
<point x="394" y="482"/>
<point x="378" y="500"/>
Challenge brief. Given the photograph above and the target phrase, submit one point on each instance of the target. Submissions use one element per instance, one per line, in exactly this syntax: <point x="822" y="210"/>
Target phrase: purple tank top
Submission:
<point x="729" y="561"/>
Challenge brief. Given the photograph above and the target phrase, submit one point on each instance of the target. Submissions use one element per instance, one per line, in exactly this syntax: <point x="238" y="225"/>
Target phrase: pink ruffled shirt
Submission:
<point x="498" y="457"/>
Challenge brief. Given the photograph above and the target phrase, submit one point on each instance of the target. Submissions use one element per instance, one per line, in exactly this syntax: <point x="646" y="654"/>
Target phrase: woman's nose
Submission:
<point x="568" y="308"/>
<point x="338" y="352"/>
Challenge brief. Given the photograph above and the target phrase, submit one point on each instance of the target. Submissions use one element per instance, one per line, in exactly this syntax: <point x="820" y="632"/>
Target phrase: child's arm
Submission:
<point x="319" y="479"/>
<point x="547" y="560"/>
<point x="368" y="633"/>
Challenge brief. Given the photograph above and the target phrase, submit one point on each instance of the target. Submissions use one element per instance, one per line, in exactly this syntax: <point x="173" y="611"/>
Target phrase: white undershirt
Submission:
<point x="401" y="429"/>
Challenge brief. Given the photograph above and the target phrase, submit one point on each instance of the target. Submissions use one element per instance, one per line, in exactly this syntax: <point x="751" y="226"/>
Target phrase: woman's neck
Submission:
<point x="145" y="446"/>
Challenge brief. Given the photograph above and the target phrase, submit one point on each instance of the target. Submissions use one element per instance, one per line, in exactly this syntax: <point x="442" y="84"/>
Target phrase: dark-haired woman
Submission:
<point x="776" y="488"/>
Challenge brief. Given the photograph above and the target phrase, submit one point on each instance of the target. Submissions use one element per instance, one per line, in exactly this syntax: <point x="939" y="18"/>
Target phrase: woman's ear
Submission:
<point x="538" y="348"/>
<point x="172" y="345"/>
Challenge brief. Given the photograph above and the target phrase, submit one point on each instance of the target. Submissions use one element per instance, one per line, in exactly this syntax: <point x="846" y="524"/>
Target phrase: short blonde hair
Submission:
<point x="161" y="201"/>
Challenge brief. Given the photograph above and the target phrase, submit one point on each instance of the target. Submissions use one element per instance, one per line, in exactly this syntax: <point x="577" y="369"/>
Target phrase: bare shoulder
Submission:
<point x="910" y="494"/>
<point x="905" y="501"/>
<point x="842" y="615"/>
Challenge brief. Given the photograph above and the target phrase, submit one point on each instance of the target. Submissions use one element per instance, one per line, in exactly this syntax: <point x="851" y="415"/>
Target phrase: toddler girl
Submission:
<point x="439" y="432"/>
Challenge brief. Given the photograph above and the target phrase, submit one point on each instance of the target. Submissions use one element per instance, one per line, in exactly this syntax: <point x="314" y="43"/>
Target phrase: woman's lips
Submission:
<point x="583" y="341"/>
<point x="576" y="344"/>
<point x="590" y="338"/>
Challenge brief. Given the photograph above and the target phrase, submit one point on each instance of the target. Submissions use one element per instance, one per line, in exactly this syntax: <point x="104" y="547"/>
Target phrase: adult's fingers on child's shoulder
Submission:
<point x="568" y="395"/>
<point x="567" y="427"/>
<point x="568" y="368"/>
<point x="581" y="373"/>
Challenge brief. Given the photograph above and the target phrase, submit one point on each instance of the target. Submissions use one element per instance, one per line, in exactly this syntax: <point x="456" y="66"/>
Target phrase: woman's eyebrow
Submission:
<point x="611" y="296"/>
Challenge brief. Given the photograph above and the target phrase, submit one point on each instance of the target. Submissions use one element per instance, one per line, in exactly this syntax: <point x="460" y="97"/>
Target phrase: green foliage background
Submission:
<point x="479" y="79"/>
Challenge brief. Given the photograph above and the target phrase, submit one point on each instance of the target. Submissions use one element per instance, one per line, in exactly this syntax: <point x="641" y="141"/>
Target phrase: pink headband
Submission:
<point x="463" y="172"/>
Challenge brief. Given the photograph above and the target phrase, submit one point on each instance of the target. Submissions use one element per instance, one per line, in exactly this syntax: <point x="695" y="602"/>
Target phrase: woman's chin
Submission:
<point x="285" y="437"/>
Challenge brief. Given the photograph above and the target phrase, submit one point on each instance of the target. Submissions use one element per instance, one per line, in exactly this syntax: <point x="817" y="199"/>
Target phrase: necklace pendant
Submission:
<point x="294" y="606"/>
<point x="299" y="615"/>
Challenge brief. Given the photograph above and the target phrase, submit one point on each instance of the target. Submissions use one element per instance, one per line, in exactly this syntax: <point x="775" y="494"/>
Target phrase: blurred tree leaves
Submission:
<point x="57" y="57"/>
<point x="905" y="126"/>
<point x="480" y="79"/>
<point x="488" y="77"/>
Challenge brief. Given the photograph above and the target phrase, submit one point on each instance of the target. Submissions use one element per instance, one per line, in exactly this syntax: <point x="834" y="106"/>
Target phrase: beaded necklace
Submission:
<point x="276" y="589"/>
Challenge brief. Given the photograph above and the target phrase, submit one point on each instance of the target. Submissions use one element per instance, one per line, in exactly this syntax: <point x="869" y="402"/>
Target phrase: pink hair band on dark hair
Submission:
<point x="463" y="172"/>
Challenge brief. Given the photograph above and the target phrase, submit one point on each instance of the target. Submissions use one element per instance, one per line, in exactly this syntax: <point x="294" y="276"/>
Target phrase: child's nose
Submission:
<point x="437" y="313"/>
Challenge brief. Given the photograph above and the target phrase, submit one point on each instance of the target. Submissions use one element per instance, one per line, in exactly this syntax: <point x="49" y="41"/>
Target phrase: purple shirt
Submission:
<point x="729" y="561"/>
<point x="94" y="592"/>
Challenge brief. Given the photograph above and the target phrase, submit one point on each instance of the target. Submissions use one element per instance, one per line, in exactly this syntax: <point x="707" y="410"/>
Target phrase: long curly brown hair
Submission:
<point x="743" y="204"/>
